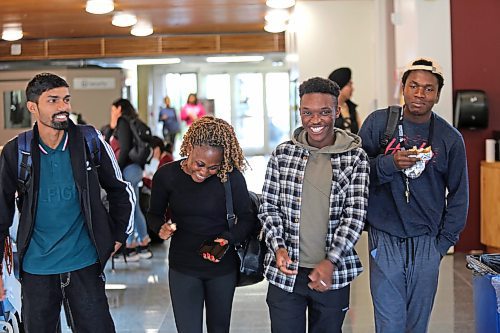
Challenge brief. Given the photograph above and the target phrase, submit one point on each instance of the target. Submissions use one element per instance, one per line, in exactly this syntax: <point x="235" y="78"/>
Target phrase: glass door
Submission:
<point x="248" y="112"/>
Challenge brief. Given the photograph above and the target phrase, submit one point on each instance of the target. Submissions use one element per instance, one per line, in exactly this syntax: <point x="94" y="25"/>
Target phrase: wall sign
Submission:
<point x="94" y="83"/>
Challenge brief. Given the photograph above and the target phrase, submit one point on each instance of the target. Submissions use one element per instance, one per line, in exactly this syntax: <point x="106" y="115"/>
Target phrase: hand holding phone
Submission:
<point x="213" y="250"/>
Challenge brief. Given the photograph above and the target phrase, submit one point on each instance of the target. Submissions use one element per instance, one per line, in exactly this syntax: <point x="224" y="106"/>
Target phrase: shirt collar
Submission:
<point x="62" y="145"/>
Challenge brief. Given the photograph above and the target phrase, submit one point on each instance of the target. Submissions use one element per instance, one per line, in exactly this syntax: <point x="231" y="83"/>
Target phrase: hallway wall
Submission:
<point x="476" y="49"/>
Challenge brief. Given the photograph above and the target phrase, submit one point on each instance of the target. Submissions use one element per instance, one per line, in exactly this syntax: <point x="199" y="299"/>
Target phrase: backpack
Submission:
<point x="24" y="161"/>
<point x="141" y="152"/>
<point x="393" y="114"/>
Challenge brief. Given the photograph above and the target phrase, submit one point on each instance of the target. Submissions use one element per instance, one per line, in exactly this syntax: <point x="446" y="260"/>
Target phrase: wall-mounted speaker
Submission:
<point x="471" y="109"/>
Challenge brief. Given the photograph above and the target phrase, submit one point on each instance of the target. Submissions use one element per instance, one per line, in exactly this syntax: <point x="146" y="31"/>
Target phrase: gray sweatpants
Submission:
<point x="403" y="281"/>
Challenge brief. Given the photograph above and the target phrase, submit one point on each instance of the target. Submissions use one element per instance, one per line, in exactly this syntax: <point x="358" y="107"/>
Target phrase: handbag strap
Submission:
<point x="231" y="218"/>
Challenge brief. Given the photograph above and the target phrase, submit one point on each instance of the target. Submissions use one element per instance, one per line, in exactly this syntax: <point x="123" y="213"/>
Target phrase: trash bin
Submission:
<point x="486" y="290"/>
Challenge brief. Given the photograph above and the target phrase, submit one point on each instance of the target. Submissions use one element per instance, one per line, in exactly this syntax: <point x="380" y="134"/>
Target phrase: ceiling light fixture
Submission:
<point x="12" y="31"/>
<point x="235" y="59"/>
<point x="122" y="19"/>
<point x="276" y="20"/>
<point x="275" y="27"/>
<point x="141" y="29"/>
<point x="99" y="6"/>
<point x="155" y="61"/>
<point x="277" y="15"/>
<point x="280" y="4"/>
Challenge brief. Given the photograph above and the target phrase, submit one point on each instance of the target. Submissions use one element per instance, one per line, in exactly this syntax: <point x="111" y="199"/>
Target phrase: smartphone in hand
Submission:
<point x="214" y="248"/>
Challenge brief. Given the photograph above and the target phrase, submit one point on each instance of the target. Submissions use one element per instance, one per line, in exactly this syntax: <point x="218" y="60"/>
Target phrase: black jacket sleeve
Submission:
<point x="120" y="193"/>
<point x="158" y="202"/>
<point x="8" y="187"/>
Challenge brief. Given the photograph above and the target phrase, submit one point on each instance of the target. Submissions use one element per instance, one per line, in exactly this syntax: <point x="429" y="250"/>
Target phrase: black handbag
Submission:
<point x="251" y="251"/>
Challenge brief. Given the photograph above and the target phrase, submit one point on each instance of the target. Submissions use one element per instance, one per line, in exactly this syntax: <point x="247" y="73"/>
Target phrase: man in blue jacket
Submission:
<point x="418" y="201"/>
<point x="65" y="234"/>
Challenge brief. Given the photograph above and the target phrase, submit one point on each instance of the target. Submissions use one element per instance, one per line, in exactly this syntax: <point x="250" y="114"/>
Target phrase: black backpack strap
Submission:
<point x="24" y="160"/>
<point x="393" y="114"/>
<point x="231" y="218"/>
<point x="93" y="143"/>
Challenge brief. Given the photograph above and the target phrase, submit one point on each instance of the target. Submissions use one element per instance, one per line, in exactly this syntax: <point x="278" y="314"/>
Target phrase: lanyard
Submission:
<point x="401" y="140"/>
<point x="401" y="137"/>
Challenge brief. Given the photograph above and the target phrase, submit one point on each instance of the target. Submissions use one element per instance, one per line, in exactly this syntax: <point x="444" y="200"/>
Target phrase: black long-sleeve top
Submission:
<point x="123" y="134"/>
<point x="199" y="210"/>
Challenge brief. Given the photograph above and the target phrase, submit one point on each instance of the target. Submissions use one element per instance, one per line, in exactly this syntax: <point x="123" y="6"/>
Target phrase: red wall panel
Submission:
<point x="475" y="29"/>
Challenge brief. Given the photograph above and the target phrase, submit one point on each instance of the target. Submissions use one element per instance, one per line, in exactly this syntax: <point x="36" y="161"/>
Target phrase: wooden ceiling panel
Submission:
<point x="133" y="46"/>
<point x="49" y="19"/>
<point x="205" y="44"/>
<point x="82" y="47"/>
<point x="57" y="29"/>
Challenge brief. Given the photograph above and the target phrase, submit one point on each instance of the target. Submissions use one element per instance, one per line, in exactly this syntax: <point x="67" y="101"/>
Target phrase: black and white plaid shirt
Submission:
<point x="280" y="211"/>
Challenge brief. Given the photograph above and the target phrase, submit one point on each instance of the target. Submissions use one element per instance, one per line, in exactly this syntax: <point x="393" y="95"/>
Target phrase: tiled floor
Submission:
<point x="145" y="304"/>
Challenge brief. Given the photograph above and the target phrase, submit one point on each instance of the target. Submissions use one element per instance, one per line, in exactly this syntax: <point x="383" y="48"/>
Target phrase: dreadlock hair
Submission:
<point x="215" y="132"/>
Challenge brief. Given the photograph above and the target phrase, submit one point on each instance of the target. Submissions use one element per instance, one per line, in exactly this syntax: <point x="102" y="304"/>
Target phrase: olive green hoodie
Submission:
<point x="316" y="188"/>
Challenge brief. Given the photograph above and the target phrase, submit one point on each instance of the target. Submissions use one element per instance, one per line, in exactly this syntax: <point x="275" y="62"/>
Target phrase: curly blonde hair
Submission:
<point x="215" y="132"/>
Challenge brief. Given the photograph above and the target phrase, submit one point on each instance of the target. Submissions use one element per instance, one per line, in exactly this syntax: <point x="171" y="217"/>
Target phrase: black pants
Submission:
<point x="189" y="294"/>
<point x="42" y="297"/>
<point x="326" y="310"/>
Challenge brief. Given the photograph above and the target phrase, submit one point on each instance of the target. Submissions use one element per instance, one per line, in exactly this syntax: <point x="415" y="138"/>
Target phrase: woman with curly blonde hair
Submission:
<point x="196" y="201"/>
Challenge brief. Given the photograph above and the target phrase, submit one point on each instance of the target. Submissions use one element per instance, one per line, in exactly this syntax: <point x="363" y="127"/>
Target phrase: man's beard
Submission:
<point x="59" y="125"/>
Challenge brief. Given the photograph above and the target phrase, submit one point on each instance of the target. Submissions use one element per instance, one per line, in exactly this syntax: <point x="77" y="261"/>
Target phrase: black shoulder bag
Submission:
<point x="251" y="252"/>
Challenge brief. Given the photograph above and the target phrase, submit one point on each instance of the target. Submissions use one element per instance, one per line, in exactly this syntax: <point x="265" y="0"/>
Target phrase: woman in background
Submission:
<point x="121" y="141"/>
<point x="193" y="190"/>
<point x="192" y="110"/>
<point x="348" y="119"/>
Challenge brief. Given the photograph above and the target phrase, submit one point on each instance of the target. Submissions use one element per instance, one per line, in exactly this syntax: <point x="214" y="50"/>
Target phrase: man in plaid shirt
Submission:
<point x="315" y="197"/>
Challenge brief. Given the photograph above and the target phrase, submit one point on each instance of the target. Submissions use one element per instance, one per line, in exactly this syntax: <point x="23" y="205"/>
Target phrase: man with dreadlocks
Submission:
<point x="198" y="211"/>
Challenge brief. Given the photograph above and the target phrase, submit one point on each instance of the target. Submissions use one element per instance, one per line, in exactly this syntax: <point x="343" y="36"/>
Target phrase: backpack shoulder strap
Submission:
<point x="393" y="113"/>
<point x="24" y="161"/>
<point x="93" y="143"/>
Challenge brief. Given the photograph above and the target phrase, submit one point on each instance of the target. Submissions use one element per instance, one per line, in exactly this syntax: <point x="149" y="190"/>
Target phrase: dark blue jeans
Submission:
<point x="42" y="296"/>
<point x="326" y="310"/>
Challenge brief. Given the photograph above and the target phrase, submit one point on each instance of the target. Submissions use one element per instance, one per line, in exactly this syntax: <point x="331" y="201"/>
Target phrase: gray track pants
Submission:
<point x="403" y="281"/>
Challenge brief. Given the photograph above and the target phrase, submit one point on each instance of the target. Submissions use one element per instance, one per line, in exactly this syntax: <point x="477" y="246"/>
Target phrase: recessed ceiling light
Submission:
<point x="122" y="19"/>
<point x="12" y="31"/>
<point x="141" y="29"/>
<point x="277" y="16"/>
<point x="154" y="61"/>
<point x="99" y="6"/>
<point x="280" y="3"/>
<point x="275" y="27"/>
<point x="235" y="59"/>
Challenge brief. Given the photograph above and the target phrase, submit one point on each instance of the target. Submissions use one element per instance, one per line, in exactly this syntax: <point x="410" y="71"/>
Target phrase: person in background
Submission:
<point x="121" y="141"/>
<point x="348" y="119"/>
<point x="171" y="125"/>
<point x="65" y="234"/>
<point x="192" y="188"/>
<point x="192" y="110"/>
<point x="418" y="201"/>
<point x="162" y="154"/>
<point x="313" y="210"/>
